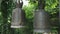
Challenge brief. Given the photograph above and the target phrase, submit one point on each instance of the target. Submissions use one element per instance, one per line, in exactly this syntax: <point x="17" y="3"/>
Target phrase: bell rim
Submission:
<point x="17" y="26"/>
<point x="41" y="31"/>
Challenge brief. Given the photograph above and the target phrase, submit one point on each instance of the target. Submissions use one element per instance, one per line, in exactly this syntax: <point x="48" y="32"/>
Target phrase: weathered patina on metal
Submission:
<point x="41" y="19"/>
<point x="18" y="16"/>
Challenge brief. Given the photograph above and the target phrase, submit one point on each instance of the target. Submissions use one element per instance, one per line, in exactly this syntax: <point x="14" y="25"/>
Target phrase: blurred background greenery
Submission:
<point x="6" y="7"/>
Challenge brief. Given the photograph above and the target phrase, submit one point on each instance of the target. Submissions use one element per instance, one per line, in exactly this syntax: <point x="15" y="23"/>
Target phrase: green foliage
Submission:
<point x="50" y="7"/>
<point x="30" y="9"/>
<point x="51" y="4"/>
<point x="29" y="17"/>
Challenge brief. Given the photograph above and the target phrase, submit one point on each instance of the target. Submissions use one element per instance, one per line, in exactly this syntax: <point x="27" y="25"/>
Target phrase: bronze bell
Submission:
<point x="18" y="16"/>
<point x="41" y="19"/>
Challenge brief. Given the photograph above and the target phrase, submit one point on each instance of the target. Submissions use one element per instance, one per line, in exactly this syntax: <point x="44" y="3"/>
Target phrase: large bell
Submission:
<point x="18" y="16"/>
<point x="41" y="19"/>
